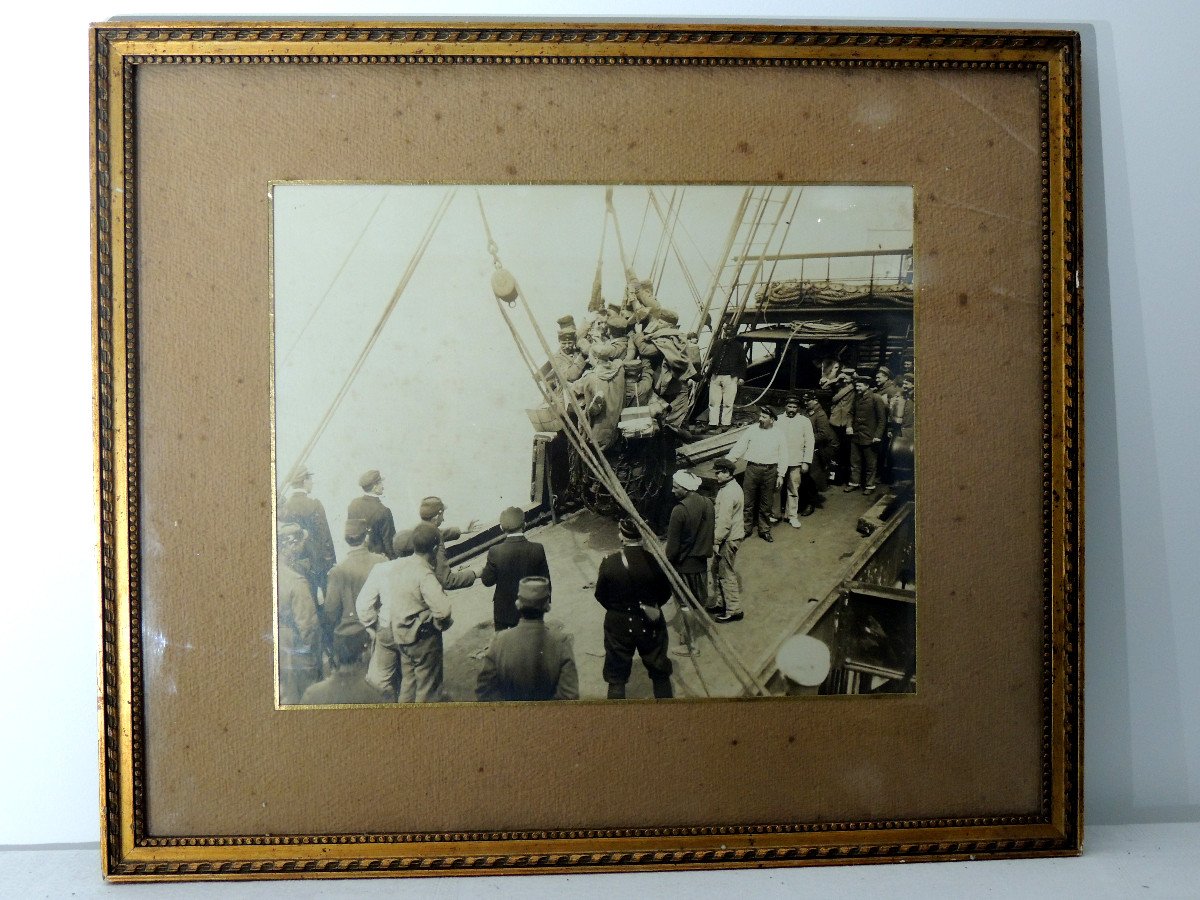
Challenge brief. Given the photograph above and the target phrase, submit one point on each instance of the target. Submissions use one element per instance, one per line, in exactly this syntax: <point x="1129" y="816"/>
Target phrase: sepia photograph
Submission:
<point x="593" y="442"/>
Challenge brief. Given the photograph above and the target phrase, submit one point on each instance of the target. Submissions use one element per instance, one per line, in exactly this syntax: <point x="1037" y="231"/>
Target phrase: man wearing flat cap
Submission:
<point x="799" y="442"/>
<point x="619" y="327"/>
<point x="531" y="661"/>
<point x="841" y="412"/>
<point x="728" y="532"/>
<point x="868" y="424"/>
<point x="632" y="588"/>
<point x="765" y="452"/>
<point x="890" y="393"/>
<point x="347" y="682"/>
<point x="381" y="527"/>
<point x="299" y="629"/>
<point x="885" y="385"/>
<point x="825" y="450"/>
<point x="433" y="513"/>
<point x="347" y="577"/>
<point x="907" y="406"/>
<point x="509" y="564"/>
<point x="318" y="555"/>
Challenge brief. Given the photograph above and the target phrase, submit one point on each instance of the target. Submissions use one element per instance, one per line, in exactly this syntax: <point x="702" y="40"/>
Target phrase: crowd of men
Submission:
<point x="368" y="629"/>
<point x="333" y="646"/>
<point x="868" y="412"/>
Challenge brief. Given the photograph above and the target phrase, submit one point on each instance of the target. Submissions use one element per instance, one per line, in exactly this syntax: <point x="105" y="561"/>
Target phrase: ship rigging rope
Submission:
<point x="565" y="405"/>
<point x="641" y="228"/>
<point x="687" y="275"/>
<point x="778" y="365"/>
<point x="796" y="328"/>
<point x="760" y="262"/>
<point x="723" y="336"/>
<point x="787" y="227"/>
<point x="659" y="266"/>
<point x="734" y="227"/>
<point x="418" y="254"/>
<point x="603" y="238"/>
<point x="336" y="275"/>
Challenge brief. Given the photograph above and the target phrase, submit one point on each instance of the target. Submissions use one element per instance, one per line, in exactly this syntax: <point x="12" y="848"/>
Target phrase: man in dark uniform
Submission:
<point x="889" y="391"/>
<point x="885" y="385"/>
<point x="347" y="577"/>
<point x="509" y="564"/>
<point x="632" y="588"/>
<point x="825" y="448"/>
<point x="728" y="372"/>
<point x="299" y="633"/>
<point x="347" y="683"/>
<point x="689" y="547"/>
<point x="381" y="527"/>
<point x="530" y="661"/>
<point x="907" y="413"/>
<point x="317" y="555"/>
<point x="868" y="421"/>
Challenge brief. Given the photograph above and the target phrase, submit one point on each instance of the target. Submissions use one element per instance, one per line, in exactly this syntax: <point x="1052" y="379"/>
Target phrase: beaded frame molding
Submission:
<point x="120" y="49"/>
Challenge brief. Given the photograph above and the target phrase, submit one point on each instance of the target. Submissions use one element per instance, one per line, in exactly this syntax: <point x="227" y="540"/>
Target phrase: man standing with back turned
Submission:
<point x="530" y="661"/>
<point x="508" y="564"/>
<point x="632" y="588"/>
<point x="381" y="527"/>
<point x="318" y="555"/>
<point x="689" y="546"/>
<point x="414" y="610"/>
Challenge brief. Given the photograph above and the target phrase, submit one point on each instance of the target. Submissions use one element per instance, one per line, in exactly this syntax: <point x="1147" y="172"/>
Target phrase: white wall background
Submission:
<point x="1142" y="214"/>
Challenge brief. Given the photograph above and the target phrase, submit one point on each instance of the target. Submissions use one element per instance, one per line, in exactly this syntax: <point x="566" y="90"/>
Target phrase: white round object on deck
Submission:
<point x="804" y="659"/>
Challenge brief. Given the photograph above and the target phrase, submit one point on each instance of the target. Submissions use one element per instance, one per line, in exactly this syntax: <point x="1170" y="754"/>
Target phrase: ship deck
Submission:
<point x="782" y="583"/>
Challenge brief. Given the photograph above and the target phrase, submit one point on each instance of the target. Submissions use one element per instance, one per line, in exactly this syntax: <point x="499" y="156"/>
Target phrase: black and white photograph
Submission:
<point x="593" y="442"/>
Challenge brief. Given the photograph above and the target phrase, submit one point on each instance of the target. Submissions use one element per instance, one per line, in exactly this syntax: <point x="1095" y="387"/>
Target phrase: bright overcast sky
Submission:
<point x="438" y="404"/>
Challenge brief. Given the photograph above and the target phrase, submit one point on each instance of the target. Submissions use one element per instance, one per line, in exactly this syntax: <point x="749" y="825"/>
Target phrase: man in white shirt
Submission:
<point x="798" y="434"/>
<point x="763" y="447"/>
<point x="413" y="611"/>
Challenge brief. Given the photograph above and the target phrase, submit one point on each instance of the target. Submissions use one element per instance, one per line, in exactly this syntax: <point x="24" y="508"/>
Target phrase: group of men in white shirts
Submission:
<point x="778" y="453"/>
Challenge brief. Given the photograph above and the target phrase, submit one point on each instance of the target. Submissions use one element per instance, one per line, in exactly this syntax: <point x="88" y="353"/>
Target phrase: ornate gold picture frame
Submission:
<point x="205" y="776"/>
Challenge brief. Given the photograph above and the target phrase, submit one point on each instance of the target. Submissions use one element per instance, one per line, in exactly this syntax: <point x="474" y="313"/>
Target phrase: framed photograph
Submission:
<point x="509" y="456"/>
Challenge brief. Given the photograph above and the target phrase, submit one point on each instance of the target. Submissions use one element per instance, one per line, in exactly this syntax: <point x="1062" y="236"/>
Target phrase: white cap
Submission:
<point x="686" y="480"/>
<point x="804" y="659"/>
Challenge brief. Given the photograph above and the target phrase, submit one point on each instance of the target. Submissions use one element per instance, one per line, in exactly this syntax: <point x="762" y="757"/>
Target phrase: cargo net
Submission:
<point x="795" y="293"/>
<point x="642" y="465"/>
